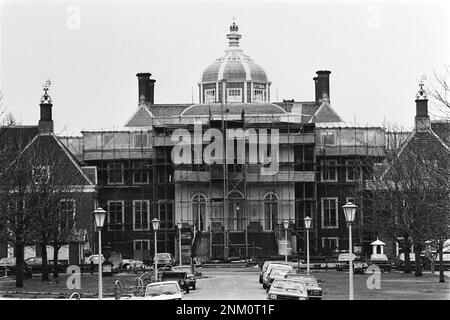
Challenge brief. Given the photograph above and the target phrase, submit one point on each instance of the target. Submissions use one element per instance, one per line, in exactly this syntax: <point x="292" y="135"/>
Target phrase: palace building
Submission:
<point x="239" y="170"/>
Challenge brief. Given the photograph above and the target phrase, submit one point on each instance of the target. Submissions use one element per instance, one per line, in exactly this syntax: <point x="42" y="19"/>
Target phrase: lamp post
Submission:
<point x="155" y="223"/>
<point x="349" y="213"/>
<point x="286" y="226"/>
<point x="307" y="227"/>
<point x="179" y="225"/>
<point x="99" y="216"/>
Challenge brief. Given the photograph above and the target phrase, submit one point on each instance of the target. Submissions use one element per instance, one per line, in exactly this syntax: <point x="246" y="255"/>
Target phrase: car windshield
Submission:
<point x="162" y="256"/>
<point x="289" y="285"/>
<point x="279" y="272"/>
<point x="309" y="281"/>
<point x="160" y="289"/>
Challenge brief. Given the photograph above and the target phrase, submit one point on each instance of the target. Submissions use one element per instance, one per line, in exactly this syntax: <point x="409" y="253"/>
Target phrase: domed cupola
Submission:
<point x="234" y="76"/>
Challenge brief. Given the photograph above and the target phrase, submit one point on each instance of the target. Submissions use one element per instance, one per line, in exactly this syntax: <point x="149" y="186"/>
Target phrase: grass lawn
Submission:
<point x="394" y="286"/>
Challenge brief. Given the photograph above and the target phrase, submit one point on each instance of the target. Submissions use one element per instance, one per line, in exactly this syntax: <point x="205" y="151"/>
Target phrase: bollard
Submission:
<point x="117" y="289"/>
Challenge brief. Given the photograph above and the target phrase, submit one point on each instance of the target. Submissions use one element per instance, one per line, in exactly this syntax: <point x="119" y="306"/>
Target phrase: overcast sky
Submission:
<point x="91" y="51"/>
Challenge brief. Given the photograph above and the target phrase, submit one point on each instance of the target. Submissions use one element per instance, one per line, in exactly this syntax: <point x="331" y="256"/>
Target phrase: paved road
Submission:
<point x="227" y="285"/>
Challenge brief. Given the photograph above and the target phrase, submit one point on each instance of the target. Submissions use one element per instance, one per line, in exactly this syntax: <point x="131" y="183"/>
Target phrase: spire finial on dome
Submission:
<point x="234" y="36"/>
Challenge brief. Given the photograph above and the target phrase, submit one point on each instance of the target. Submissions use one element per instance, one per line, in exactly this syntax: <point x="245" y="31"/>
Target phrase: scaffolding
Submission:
<point x="228" y="210"/>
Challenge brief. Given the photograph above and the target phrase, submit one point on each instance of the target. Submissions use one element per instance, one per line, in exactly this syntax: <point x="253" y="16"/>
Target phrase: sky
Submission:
<point x="91" y="51"/>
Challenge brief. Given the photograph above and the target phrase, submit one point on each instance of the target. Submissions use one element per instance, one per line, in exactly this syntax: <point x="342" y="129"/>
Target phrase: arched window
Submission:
<point x="199" y="211"/>
<point x="270" y="211"/>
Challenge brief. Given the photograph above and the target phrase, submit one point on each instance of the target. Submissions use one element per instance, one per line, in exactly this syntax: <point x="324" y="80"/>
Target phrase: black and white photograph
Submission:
<point x="236" y="151"/>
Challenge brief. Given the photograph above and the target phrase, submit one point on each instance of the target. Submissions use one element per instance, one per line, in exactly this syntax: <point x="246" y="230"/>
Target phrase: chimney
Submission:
<point x="45" y="125"/>
<point x="316" y="88"/>
<point x="422" y="120"/>
<point x="146" y="92"/>
<point x="322" y="84"/>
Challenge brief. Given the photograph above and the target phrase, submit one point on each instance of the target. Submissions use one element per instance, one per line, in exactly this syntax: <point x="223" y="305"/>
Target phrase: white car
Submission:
<point x="93" y="258"/>
<point x="287" y="289"/>
<point x="132" y="264"/>
<point x="165" y="290"/>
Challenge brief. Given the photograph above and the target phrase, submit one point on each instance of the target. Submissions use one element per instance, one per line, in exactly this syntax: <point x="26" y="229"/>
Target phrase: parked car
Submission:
<point x="8" y="267"/>
<point x="93" y="258"/>
<point x="266" y="265"/>
<point x="179" y="276"/>
<point x="287" y="289"/>
<point x="191" y="278"/>
<point x="277" y="273"/>
<point x="132" y="264"/>
<point x="359" y="265"/>
<point x="275" y="266"/>
<point x="313" y="285"/>
<point x="163" y="259"/>
<point x="35" y="263"/>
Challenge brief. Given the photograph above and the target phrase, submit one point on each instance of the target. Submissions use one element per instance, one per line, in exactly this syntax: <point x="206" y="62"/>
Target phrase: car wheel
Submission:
<point x="193" y="286"/>
<point x="264" y="286"/>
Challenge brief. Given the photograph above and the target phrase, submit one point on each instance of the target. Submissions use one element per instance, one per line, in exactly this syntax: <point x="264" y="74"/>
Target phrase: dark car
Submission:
<point x="313" y="285"/>
<point x="180" y="276"/>
<point x="35" y="263"/>
<point x="163" y="259"/>
<point x="191" y="278"/>
<point x="8" y="267"/>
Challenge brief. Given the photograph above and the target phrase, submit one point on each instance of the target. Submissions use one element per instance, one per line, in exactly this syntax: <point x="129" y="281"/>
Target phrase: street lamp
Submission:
<point x="307" y="227"/>
<point x="286" y="226"/>
<point x="155" y="223"/>
<point x="99" y="216"/>
<point x="179" y="225"/>
<point x="349" y="213"/>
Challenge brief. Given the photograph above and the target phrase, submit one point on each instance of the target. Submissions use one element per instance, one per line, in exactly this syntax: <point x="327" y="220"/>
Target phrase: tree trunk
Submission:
<point x="45" y="273"/>
<point x="441" y="261"/>
<point x="19" y="253"/>
<point x="55" y="260"/>
<point x="418" y="263"/>
<point x="407" y="250"/>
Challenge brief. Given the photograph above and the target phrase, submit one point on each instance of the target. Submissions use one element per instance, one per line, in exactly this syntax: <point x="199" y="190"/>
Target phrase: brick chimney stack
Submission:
<point x="422" y="120"/>
<point x="146" y="91"/>
<point x="45" y="125"/>
<point x="322" y="82"/>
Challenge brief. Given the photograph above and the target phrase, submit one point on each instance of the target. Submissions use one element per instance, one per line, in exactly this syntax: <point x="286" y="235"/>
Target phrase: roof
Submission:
<point x="233" y="109"/>
<point x="378" y="243"/>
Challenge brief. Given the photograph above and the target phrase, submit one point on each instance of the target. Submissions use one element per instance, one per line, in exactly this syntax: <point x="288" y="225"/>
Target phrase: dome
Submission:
<point x="234" y="77"/>
<point x="234" y="66"/>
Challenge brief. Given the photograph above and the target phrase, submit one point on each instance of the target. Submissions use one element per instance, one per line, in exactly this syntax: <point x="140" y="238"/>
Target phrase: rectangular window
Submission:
<point x="67" y="214"/>
<point x="210" y="95"/>
<point x="328" y="138"/>
<point x="234" y="95"/>
<point x="258" y="95"/>
<point x="140" y="140"/>
<point x="116" y="215"/>
<point x="329" y="213"/>
<point x="141" y="244"/>
<point x="329" y="170"/>
<point x="115" y="173"/>
<point x="165" y="214"/>
<point x="351" y="172"/>
<point x="330" y="243"/>
<point x="141" y="215"/>
<point x="140" y="173"/>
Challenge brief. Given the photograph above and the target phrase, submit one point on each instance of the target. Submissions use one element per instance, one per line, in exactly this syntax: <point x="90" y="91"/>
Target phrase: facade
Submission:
<point x="235" y="168"/>
<point x="51" y="160"/>
<point x="237" y="207"/>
